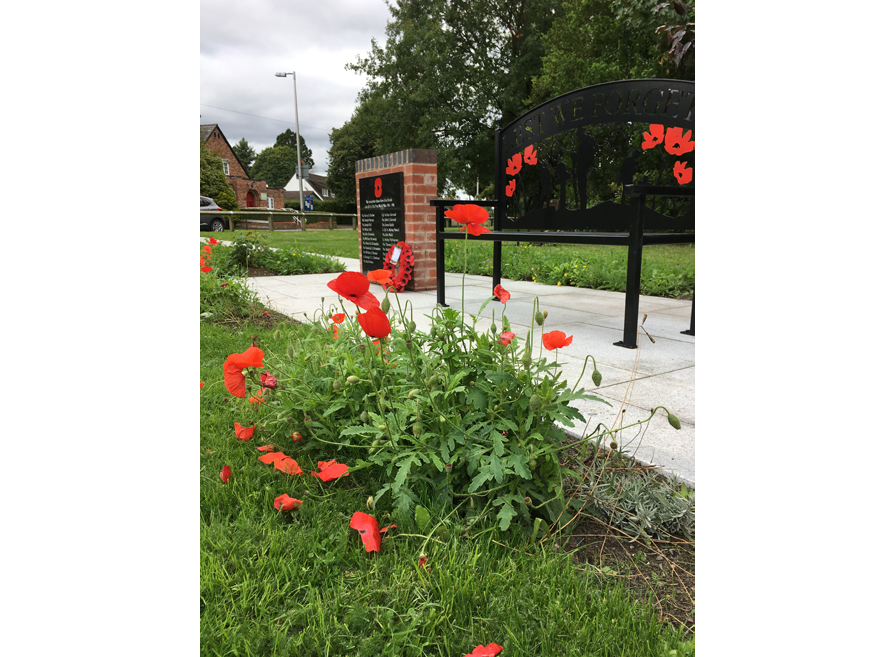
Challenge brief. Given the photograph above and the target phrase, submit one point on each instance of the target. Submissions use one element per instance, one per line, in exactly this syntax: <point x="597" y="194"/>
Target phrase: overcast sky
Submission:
<point x="244" y="44"/>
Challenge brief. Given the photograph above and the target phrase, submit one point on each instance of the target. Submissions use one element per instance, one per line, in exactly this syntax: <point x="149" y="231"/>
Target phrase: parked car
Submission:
<point x="209" y="221"/>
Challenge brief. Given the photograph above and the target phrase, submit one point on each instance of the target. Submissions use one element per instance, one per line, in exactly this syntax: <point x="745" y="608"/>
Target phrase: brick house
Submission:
<point x="250" y="193"/>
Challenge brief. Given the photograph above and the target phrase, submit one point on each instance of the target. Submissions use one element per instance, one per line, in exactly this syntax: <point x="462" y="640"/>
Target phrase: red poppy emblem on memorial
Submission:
<point x="378" y="188"/>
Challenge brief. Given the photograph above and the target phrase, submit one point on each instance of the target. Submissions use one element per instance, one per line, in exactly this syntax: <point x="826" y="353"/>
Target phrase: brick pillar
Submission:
<point x="420" y="169"/>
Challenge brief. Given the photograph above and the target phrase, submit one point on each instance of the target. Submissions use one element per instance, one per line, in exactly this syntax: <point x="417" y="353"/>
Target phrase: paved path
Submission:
<point x="635" y="380"/>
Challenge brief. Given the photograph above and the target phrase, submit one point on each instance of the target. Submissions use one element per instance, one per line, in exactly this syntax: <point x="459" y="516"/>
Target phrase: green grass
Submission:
<point x="668" y="270"/>
<point x="341" y="243"/>
<point x="300" y="583"/>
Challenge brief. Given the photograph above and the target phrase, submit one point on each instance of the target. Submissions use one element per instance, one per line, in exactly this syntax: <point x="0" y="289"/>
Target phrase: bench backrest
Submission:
<point x="562" y="166"/>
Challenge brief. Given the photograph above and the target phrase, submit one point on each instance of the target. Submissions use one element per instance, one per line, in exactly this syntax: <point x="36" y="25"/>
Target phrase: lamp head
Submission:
<point x="281" y="75"/>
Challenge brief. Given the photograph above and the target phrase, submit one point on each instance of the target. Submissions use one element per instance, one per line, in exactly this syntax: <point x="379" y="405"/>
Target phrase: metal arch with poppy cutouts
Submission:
<point x="402" y="272"/>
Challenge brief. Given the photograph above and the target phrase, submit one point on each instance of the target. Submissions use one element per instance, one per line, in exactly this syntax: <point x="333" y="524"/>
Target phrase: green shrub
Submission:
<point x="249" y="250"/>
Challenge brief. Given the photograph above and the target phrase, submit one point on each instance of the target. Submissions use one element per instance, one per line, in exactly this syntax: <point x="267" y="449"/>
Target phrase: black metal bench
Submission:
<point x="587" y="167"/>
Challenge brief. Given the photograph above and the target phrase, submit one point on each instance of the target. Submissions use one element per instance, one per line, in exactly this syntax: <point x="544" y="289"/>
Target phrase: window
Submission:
<point x="325" y="192"/>
<point x="226" y="166"/>
<point x="270" y="202"/>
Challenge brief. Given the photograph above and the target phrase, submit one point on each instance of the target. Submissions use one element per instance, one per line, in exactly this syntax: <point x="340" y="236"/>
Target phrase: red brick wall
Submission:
<point x="420" y="171"/>
<point x="238" y="178"/>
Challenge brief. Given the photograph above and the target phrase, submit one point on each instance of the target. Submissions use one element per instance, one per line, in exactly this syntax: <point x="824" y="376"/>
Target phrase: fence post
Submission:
<point x="330" y="221"/>
<point x="232" y="223"/>
<point x="354" y="222"/>
<point x="303" y="221"/>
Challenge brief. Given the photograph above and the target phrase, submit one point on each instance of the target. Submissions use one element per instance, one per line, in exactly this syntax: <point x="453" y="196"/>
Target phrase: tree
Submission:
<point x="287" y="138"/>
<point x="597" y="41"/>
<point x="245" y="153"/>
<point x="352" y="142"/>
<point x="276" y="165"/>
<point x="450" y="71"/>
<point x="213" y="181"/>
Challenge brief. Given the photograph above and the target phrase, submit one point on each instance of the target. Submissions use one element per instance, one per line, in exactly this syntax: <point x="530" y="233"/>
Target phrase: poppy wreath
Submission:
<point x="402" y="272"/>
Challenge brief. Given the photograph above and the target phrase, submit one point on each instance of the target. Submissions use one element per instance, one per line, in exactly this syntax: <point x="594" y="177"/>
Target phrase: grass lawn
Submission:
<point x="668" y="270"/>
<point x="300" y="582"/>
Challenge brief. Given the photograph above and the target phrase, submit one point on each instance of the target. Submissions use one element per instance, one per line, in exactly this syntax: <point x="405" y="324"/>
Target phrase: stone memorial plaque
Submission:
<point x="381" y="217"/>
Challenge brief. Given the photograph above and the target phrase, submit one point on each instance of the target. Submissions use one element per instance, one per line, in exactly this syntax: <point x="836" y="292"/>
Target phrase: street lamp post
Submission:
<point x="297" y="136"/>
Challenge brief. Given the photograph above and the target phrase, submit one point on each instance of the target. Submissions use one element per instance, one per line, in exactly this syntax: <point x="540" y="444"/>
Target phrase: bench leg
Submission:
<point x="439" y="261"/>
<point x="691" y="330"/>
<point x="498" y="263"/>
<point x="634" y="275"/>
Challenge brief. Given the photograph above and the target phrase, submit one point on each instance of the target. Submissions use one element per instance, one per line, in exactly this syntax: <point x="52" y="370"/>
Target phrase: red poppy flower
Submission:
<point x="225" y="474"/>
<point x="474" y="229"/>
<point x="501" y="293"/>
<point x="682" y="173"/>
<point x="334" y="330"/>
<point x="510" y="188"/>
<point x="330" y="470"/>
<point x="354" y="287"/>
<point x="266" y="448"/>
<point x="555" y="340"/>
<point x="202" y="259"/>
<point x="530" y="154"/>
<point x="375" y="323"/>
<point x="467" y="214"/>
<point x="282" y="463"/>
<point x="244" y="433"/>
<point x="382" y="276"/>
<point x="213" y="241"/>
<point x="234" y="380"/>
<point x="489" y="650"/>
<point x="296" y="436"/>
<point x="201" y="384"/>
<point x="268" y="381"/>
<point x="258" y="397"/>
<point x="506" y="337"/>
<point x="286" y="503"/>
<point x="338" y="318"/>
<point x="676" y="143"/>
<point x="369" y="530"/>
<point x="654" y="136"/>
<point x="224" y="284"/>
<point x="205" y="270"/>
<point x="207" y="249"/>
<point x="514" y="163"/>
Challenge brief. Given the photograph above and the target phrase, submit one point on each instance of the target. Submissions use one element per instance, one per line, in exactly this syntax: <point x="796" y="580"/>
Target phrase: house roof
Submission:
<point x="205" y="132"/>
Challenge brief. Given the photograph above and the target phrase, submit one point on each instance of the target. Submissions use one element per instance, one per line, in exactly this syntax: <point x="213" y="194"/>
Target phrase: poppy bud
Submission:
<point x="443" y="419"/>
<point x="413" y="393"/>
<point x="364" y="417"/>
<point x="673" y="421"/>
<point x="276" y="335"/>
<point x="532" y="464"/>
<point x="417" y="429"/>
<point x="526" y="360"/>
<point x="383" y="427"/>
<point x="353" y="379"/>
<point x="290" y="352"/>
<point x="411" y="326"/>
<point x="370" y="502"/>
<point x="336" y="385"/>
<point x="493" y="328"/>
<point x="296" y="436"/>
<point x="538" y="317"/>
<point x="386" y="305"/>
<point x="597" y="377"/>
<point x="545" y="315"/>
<point x="375" y="443"/>
<point x="534" y="404"/>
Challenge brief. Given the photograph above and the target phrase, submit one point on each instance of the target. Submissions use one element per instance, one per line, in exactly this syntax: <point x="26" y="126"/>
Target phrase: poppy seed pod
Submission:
<point x="613" y="445"/>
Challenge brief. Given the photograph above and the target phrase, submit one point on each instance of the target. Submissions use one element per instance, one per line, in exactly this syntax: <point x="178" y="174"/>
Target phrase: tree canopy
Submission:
<point x="451" y="71"/>
<point x="245" y="153"/>
<point x="287" y="138"/>
<point x="213" y="181"/>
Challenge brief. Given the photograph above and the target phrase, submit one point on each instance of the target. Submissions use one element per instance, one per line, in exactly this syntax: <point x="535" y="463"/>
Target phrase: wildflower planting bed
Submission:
<point x="369" y="489"/>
